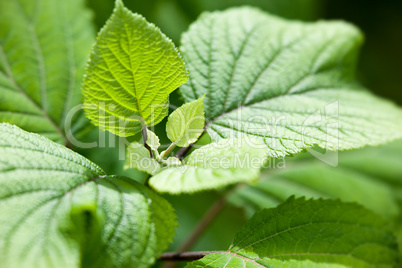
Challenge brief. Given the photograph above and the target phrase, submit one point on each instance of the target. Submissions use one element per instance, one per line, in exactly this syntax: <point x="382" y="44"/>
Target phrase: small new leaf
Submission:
<point x="173" y="161"/>
<point x="186" y="124"/>
<point x="132" y="70"/>
<point x="211" y="167"/>
<point x="310" y="233"/>
<point x="58" y="209"/>
<point x="153" y="140"/>
<point x="138" y="157"/>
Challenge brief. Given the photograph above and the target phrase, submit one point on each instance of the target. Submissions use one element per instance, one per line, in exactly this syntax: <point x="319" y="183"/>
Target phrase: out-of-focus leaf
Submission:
<point x="58" y="209"/>
<point x="44" y="45"/>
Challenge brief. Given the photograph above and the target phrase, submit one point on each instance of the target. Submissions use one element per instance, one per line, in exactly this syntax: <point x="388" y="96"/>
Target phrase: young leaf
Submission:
<point x="132" y="70"/>
<point x="189" y="179"/>
<point x="58" y="209"/>
<point x="138" y="157"/>
<point x="290" y="84"/>
<point x="186" y="123"/>
<point x="44" y="45"/>
<point x="173" y="161"/>
<point x="310" y="233"/>
<point x="312" y="179"/>
<point x="153" y="140"/>
<point x="213" y="166"/>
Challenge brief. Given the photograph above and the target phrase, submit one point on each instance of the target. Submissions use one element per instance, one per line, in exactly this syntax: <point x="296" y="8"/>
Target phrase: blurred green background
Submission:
<point x="380" y="70"/>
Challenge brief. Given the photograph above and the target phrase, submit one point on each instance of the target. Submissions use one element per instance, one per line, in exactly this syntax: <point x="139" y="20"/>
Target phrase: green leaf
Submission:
<point x="153" y="140"/>
<point x="314" y="179"/>
<point x="138" y="157"/>
<point x="189" y="179"/>
<point x="290" y="84"/>
<point x="173" y="161"/>
<point x="44" y="45"/>
<point x="58" y="209"/>
<point x="298" y="232"/>
<point x="230" y="153"/>
<point x="220" y="260"/>
<point x="186" y="124"/>
<point x="213" y="166"/>
<point x="132" y="70"/>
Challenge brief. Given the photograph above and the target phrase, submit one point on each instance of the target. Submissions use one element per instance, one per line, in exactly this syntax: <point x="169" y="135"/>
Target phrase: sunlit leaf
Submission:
<point x="132" y="70"/>
<point x="186" y="124"/>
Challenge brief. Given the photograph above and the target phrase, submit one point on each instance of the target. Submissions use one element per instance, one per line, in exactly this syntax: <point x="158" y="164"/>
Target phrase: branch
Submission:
<point x="183" y="151"/>
<point x="207" y="219"/>
<point x="168" y="150"/>
<point x="145" y="138"/>
<point x="185" y="256"/>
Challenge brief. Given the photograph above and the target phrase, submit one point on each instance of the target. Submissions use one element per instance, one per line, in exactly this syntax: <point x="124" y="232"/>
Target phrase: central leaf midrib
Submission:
<point x="133" y="75"/>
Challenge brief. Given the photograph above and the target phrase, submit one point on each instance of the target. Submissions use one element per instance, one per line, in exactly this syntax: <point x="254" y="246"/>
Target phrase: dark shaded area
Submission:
<point x="380" y="67"/>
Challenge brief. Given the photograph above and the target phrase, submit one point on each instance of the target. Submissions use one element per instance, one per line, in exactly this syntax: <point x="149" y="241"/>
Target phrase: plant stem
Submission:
<point x="183" y="151"/>
<point x="207" y="219"/>
<point x="168" y="150"/>
<point x="185" y="256"/>
<point x="145" y="138"/>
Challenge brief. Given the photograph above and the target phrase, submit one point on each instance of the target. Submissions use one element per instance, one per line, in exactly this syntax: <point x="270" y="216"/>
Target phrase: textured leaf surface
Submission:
<point x="313" y="179"/>
<point x="153" y="140"/>
<point x="213" y="166"/>
<point x="290" y="84"/>
<point x="190" y="179"/>
<point x="138" y="157"/>
<point x="57" y="209"/>
<point x="132" y="70"/>
<point x="221" y="260"/>
<point x="44" y="45"/>
<point x="186" y="123"/>
<point x="321" y="231"/>
<point x="230" y="153"/>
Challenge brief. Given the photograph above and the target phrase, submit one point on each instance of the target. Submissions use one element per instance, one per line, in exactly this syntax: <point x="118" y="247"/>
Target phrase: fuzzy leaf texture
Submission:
<point x="138" y="157"/>
<point x="213" y="166"/>
<point x="58" y="209"/>
<point x="153" y="140"/>
<point x="310" y="233"/>
<point x="186" y="124"/>
<point x="132" y="70"/>
<point x="44" y="45"/>
<point x="289" y="84"/>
